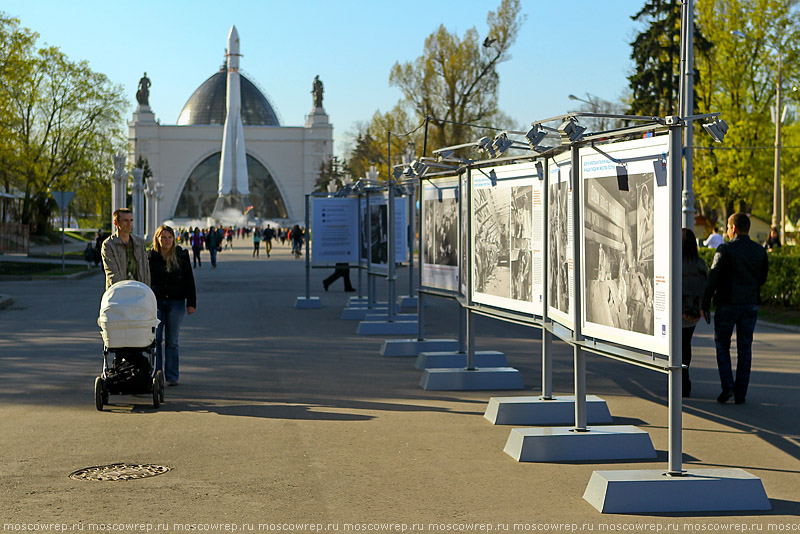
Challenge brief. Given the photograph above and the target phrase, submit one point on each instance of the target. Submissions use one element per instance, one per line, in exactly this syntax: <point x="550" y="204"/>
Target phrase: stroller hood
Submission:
<point x="128" y="315"/>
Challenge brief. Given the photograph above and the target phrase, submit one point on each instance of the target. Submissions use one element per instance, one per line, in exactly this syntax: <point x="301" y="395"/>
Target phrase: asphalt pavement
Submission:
<point x="286" y="420"/>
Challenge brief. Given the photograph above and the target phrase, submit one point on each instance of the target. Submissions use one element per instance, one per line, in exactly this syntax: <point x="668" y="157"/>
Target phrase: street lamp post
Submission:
<point x="776" y="184"/>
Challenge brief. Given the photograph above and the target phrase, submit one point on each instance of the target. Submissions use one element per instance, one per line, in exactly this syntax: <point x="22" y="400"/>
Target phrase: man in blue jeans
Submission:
<point x="734" y="281"/>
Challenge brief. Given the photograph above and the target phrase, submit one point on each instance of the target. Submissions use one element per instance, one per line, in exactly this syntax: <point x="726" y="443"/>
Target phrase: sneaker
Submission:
<point x="739" y="400"/>
<point x="172" y="382"/>
<point x="325" y="285"/>
<point x="725" y="396"/>
<point x="351" y="290"/>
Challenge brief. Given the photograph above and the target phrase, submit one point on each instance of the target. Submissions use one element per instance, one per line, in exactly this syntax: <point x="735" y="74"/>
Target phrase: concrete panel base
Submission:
<point x="537" y="411"/>
<point x="698" y="490"/>
<point x="358" y="313"/>
<point x="384" y="328"/>
<point x="488" y="378"/>
<point x="303" y="303"/>
<point x="357" y="300"/>
<point x="381" y="316"/>
<point x="454" y="359"/>
<point x="562" y="444"/>
<point x="407" y="302"/>
<point x="364" y="303"/>
<point x="412" y="347"/>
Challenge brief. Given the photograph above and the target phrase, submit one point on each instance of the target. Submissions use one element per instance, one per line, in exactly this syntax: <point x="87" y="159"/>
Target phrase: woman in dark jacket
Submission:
<point x="695" y="275"/>
<point x="172" y="281"/>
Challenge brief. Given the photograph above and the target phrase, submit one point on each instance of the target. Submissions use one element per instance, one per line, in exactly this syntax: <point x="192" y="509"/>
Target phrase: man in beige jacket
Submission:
<point x="124" y="254"/>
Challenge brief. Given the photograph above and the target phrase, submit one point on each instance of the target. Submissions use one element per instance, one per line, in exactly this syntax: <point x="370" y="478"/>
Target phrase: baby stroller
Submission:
<point x="128" y="321"/>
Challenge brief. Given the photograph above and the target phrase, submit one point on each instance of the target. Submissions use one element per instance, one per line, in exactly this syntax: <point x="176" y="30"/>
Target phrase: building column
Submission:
<point x="138" y="202"/>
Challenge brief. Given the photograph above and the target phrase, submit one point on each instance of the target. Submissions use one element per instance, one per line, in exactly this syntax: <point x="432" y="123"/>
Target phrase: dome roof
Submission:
<point x="207" y="104"/>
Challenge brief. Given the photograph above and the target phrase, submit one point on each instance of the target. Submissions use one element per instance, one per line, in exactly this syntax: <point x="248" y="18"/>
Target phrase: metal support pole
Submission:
<point x="462" y="329"/>
<point x="63" y="238"/>
<point x="412" y="215"/>
<point x="776" y="186"/>
<point x="470" y="340"/>
<point x="676" y="273"/>
<point x="687" y="109"/>
<point x="370" y="278"/>
<point x="308" y="259"/>
<point x="390" y="232"/>
<point x="360" y="246"/>
<point x="547" y="336"/>
<point x="579" y="355"/>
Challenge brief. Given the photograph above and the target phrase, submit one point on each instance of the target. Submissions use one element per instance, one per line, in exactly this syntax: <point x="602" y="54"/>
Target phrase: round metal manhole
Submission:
<point x="119" y="472"/>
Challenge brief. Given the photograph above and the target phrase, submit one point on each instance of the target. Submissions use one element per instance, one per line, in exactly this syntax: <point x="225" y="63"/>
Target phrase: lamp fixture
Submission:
<point x="535" y="136"/>
<point x="570" y="130"/>
<point x="716" y="129"/>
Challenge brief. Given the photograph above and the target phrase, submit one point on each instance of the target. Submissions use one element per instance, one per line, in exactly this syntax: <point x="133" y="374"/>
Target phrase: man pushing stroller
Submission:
<point x="125" y="254"/>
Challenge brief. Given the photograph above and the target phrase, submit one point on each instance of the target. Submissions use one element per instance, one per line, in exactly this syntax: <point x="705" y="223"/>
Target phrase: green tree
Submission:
<point x="62" y="121"/>
<point x="456" y="80"/>
<point x="656" y="54"/>
<point x="330" y="171"/>
<point x="738" y="79"/>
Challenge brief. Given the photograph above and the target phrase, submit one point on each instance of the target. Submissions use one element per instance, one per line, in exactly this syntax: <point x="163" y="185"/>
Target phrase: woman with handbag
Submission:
<point x="172" y="282"/>
<point x="695" y="275"/>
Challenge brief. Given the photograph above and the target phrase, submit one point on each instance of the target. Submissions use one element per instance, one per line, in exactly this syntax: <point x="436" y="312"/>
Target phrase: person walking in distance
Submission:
<point x="269" y="235"/>
<point x="173" y="285"/>
<point x="124" y="254"/>
<point x="256" y="242"/>
<point x="714" y="239"/>
<point x="214" y="244"/>
<point x="197" y="246"/>
<point x="695" y="274"/>
<point x="739" y="270"/>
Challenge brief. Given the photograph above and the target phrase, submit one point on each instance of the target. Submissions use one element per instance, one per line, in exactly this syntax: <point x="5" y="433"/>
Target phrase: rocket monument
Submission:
<point x="233" y="182"/>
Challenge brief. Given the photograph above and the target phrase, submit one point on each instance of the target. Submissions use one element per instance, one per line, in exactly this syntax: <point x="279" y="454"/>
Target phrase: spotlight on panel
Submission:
<point x="716" y="129"/>
<point x="535" y="136"/>
<point x="485" y="145"/>
<point x="570" y="131"/>
<point x="493" y="177"/>
<point x="501" y="144"/>
<point x="444" y="154"/>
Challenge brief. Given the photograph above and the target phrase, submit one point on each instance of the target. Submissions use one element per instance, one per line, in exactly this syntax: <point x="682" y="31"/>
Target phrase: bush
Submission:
<point x="783" y="279"/>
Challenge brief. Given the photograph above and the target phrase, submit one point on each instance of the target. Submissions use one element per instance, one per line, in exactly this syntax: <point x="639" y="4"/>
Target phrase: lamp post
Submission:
<point x="776" y="184"/>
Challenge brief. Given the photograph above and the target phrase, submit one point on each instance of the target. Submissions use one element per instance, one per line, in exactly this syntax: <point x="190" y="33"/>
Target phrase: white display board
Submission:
<point x="463" y="231"/>
<point x="561" y="262"/>
<point x="507" y="238"/>
<point x="334" y="224"/>
<point x="440" y="234"/>
<point x="379" y="220"/>
<point x="625" y="250"/>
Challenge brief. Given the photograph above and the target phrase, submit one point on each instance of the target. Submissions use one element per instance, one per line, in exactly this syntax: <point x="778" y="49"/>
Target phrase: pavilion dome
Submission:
<point x="207" y="105"/>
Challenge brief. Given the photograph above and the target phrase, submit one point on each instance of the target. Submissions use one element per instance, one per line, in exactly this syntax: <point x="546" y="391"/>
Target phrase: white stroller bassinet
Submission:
<point x="128" y="315"/>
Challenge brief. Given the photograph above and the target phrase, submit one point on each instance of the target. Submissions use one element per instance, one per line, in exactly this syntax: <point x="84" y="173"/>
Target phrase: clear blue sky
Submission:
<point x="578" y="46"/>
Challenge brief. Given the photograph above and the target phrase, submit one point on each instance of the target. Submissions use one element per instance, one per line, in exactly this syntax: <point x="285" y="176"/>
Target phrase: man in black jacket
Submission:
<point x="737" y="274"/>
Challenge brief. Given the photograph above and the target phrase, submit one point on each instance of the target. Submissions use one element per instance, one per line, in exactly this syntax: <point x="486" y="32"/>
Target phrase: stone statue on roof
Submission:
<point x="143" y="94"/>
<point x="317" y="91"/>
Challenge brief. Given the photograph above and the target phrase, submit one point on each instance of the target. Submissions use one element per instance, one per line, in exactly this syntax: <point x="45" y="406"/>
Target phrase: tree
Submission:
<point x="62" y="122"/>
<point x="738" y="79"/>
<point x="330" y="171"/>
<point x="656" y="55"/>
<point x="455" y="79"/>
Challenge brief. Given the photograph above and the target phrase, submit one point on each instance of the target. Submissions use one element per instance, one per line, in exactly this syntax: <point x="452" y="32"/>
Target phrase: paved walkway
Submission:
<point x="286" y="417"/>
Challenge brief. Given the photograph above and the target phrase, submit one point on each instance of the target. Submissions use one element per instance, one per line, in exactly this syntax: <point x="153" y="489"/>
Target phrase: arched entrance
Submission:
<point x="200" y="191"/>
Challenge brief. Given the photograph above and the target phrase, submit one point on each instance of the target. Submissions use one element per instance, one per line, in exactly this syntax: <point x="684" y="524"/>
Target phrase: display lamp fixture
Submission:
<point x="418" y="167"/>
<point x="485" y="145"/>
<point x="716" y="129"/>
<point x="571" y="130"/>
<point x="535" y="136"/>
<point x="501" y="144"/>
<point x="444" y="154"/>
<point x="492" y="176"/>
<point x="540" y="170"/>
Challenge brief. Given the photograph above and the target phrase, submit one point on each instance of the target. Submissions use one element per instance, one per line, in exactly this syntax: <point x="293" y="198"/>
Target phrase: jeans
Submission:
<point x="743" y="317"/>
<point x="196" y="255"/>
<point x="213" y="253"/>
<point x="687" y="333"/>
<point x="170" y="313"/>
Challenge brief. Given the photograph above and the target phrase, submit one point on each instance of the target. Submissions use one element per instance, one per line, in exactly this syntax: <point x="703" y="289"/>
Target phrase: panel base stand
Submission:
<point x="358" y="313"/>
<point x="455" y="359"/>
<point x="385" y="328"/>
<point x="412" y="347"/>
<point x="488" y="378"/>
<point x="303" y="303"/>
<point x="697" y="490"/>
<point x="563" y="444"/>
<point x="357" y="300"/>
<point x="406" y="301"/>
<point x="538" y="411"/>
<point x="380" y="315"/>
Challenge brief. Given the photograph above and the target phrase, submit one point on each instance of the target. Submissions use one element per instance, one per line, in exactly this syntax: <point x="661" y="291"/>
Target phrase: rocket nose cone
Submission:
<point x="233" y="36"/>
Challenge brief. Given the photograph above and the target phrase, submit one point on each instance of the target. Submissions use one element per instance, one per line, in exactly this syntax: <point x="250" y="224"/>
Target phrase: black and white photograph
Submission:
<point x="440" y="234"/>
<point x="557" y="238"/>
<point x="522" y="243"/>
<point x="380" y="233"/>
<point x="491" y="220"/>
<point x="428" y="231"/>
<point x="618" y="252"/>
<point x="464" y="210"/>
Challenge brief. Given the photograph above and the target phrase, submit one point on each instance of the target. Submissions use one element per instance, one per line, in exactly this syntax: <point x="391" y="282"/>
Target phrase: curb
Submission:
<point x="29" y="278"/>
<point x="778" y="326"/>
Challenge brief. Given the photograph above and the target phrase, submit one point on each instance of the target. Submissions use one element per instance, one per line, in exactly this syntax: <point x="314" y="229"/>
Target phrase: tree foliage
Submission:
<point x="738" y="78"/>
<point x="455" y="80"/>
<point x="60" y="123"/>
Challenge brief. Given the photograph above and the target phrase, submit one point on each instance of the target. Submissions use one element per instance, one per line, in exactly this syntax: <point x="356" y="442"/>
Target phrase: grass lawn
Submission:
<point x="774" y="314"/>
<point x="37" y="269"/>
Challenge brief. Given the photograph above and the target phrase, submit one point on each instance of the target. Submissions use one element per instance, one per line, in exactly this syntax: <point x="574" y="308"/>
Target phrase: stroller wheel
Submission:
<point x="156" y="395"/>
<point x="160" y="380"/>
<point x="100" y="394"/>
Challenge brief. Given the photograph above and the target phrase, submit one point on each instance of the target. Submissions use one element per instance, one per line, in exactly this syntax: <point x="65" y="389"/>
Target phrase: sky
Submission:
<point x="578" y="47"/>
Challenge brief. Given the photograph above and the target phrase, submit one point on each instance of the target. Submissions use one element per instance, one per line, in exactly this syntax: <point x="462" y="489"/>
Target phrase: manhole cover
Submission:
<point x="119" y="472"/>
